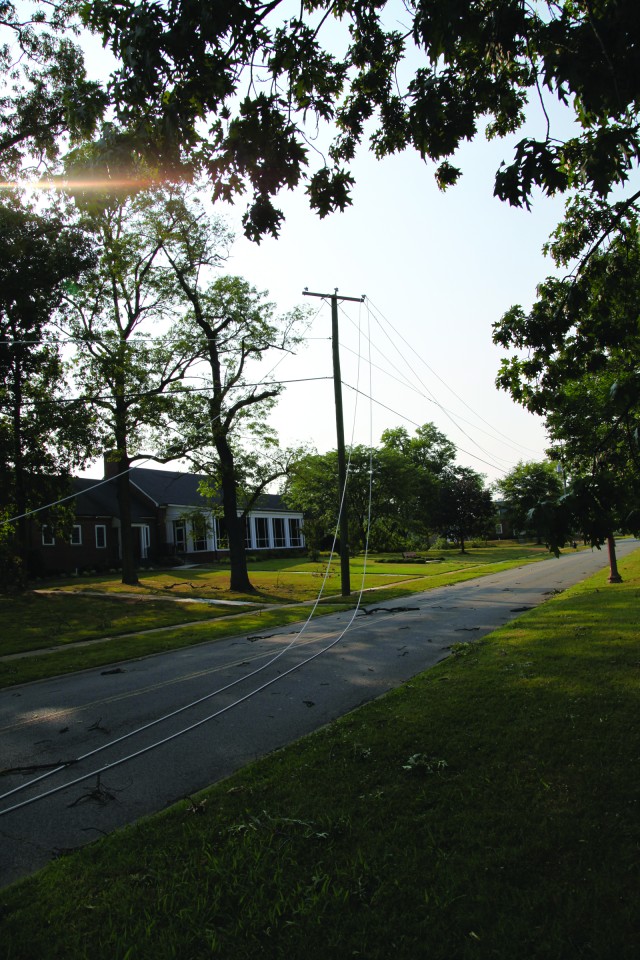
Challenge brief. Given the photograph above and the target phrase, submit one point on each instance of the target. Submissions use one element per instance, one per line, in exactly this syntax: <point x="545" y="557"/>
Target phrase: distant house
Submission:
<point x="171" y="520"/>
<point x="504" y="526"/>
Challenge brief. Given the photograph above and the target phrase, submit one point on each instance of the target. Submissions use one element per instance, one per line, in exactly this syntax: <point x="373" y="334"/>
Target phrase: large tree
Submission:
<point x="424" y="457"/>
<point x="524" y="487"/>
<point x="240" y="88"/>
<point x="575" y="362"/>
<point x="43" y="434"/>
<point x="465" y="507"/>
<point x="229" y="326"/>
<point x="128" y="358"/>
<point x="314" y="488"/>
<point x="392" y="489"/>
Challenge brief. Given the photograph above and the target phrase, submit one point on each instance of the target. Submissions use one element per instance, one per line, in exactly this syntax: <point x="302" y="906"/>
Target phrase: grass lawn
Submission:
<point x="53" y="625"/>
<point x="486" y="809"/>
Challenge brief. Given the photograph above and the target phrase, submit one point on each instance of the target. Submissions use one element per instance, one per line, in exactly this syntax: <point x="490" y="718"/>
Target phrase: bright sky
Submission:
<point x="437" y="270"/>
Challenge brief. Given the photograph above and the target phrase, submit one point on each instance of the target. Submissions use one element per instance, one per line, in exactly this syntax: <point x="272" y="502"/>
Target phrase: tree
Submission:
<point x="425" y="456"/>
<point x="228" y="325"/>
<point x="465" y="507"/>
<point x="44" y="92"/>
<point x="313" y="487"/>
<point x="42" y="435"/>
<point x="580" y="372"/>
<point x="524" y="487"/>
<point x="235" y="90"/>
<point x="125" y="372"/>
<point x="392" y="489"/>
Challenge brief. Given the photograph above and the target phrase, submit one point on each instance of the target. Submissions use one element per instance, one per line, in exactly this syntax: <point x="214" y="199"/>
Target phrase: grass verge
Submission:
<point x="486" y="809"/>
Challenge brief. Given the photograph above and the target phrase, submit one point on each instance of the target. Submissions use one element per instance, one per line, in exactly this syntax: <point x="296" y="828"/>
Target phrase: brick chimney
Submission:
<point x="111" y="464"/>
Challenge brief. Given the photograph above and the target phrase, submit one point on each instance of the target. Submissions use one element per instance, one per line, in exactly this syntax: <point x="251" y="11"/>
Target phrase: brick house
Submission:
<point x="171" y="520"/>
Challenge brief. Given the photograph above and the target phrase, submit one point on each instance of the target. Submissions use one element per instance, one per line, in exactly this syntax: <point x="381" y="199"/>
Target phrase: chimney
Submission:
<point x="111" y="464"/>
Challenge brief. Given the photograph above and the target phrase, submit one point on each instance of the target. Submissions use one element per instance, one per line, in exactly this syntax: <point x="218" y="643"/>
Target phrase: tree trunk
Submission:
<point x="614" y="576"/>
<point x="129" y="573"/>
<point x="22" y="524"/>
<point x="235" y="528"/>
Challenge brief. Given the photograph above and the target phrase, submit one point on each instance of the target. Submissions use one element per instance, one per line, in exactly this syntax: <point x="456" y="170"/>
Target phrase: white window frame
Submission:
<point x="204" y="531"/>
<point x="221" y="534"/>
<point x="48" y="538"/>
<point x="181" y="542"/>
<point x="103" y="545"/>
<point x="262" y="523"/>
<point x="295" y="532"/>
<point x="279" y="539"/>
<point x="248" y="533"/>
<point x="77" y="527"/>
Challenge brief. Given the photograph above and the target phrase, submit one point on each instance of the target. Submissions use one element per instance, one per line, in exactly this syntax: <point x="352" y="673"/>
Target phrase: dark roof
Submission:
<point x="182" y="489"/>
<point x="97" y="498"/>
<point x="169" y="486"/>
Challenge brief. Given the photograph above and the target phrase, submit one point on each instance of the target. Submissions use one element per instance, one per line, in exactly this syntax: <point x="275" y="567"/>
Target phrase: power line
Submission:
<point x="72" y="496"/>
<point x="449" y="415"/>
<point x="415" y="424"/>
<point x="172" y="393"/>
<point x="193" y="726"/>
<point x="410" y="386"/>
<point x="445" y="384"/>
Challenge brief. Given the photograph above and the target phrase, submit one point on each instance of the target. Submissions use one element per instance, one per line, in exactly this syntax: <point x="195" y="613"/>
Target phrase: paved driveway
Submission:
<point x="249" y="695"/>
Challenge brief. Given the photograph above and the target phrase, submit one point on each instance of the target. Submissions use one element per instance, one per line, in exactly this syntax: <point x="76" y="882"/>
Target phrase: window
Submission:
<point x="498" y="528"/>
<point x="48" y="539"/>
<point x="279" y="537"/>
<point x="222" y="538"/>
<point x="180" y="535"/>
<point x="295" y="532"/>
<point x="248" y="541"/>
<point x="262" y="532"/>
<point x="76" y="535"/>
<point x="101" y="536"/>
<point x="199" y="533"/>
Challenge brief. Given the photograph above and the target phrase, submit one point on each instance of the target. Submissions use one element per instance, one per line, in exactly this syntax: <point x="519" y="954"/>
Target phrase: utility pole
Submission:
<point x="342" y="459"/>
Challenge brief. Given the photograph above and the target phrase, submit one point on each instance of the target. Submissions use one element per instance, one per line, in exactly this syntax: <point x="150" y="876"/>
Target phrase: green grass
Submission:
<point x="295" y="580"/>
<point x="32" y="621"/>
<point x="486" y="809"/>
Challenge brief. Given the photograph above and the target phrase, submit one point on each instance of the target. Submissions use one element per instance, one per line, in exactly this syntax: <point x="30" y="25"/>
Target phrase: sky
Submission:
<point x="437" y="270"/>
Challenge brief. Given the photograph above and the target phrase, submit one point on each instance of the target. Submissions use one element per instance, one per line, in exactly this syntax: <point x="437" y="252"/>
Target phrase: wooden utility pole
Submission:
<point x="345" y="579"/>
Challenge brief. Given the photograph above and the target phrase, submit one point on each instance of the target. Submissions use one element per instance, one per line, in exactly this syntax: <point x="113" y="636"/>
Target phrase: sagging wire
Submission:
<point x="503" y="436"/>
<point x="110" y="766"/>
<point x="416" y="390"/>
<point x="174" y="713"/>
<point x="438" y="404"/>
<point x="415" y="424"/>
<point x="183" y="390"/>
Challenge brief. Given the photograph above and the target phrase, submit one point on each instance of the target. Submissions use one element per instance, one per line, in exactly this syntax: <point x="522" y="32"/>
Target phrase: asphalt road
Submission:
<point x="275" y="697"/>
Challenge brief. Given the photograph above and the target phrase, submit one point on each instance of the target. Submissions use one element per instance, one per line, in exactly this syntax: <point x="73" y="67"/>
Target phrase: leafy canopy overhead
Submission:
<point x="44" y="91"/>
<point x="242" y="89"/>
